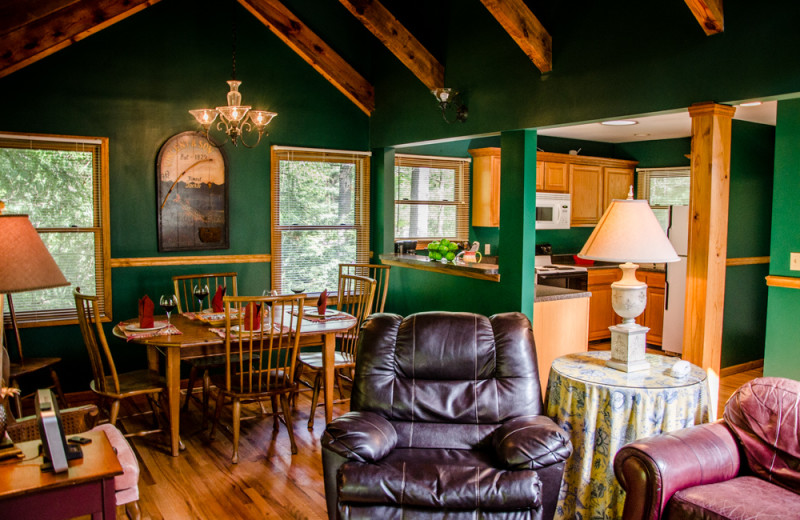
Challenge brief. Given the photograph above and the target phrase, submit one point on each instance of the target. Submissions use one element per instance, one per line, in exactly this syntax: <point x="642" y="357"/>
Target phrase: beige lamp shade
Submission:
<point x="25" y="262"/>
<point x="629" y="232"/>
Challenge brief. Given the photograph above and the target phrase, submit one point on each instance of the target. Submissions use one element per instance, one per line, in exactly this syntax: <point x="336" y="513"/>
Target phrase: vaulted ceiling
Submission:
<point x="33" y="29"/>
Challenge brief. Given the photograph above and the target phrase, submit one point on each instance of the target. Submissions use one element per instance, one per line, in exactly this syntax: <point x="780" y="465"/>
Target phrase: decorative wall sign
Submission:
<point x="192" y="189"/>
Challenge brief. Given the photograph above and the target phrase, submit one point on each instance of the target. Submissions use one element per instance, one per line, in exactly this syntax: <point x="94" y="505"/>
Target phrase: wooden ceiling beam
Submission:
<point x="523" y="26"/>
<point x="708" y="14"/>
<point x="43" y="36"/>
<point x="398" y="40"/>
<point x="314" y="51"/>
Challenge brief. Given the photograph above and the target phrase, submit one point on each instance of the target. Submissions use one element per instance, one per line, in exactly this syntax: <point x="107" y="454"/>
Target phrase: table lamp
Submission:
<point x="628" y="232"/>
<point x="25" y="263"/>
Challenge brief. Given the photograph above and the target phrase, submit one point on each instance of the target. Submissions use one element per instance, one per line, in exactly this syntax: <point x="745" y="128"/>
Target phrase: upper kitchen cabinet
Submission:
<point x="593" y="182"/>
<point x="552" y="176"/>
<point x="485" y="187"/>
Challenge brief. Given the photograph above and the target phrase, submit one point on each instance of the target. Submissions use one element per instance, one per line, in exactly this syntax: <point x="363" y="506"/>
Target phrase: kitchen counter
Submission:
<point x="480" y="271"/>
<point x="546" y="293"/>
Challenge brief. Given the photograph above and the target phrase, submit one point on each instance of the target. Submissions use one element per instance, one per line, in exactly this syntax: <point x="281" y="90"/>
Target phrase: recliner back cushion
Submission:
<point x="453" y="368"/>
<point x="764" y="414"/>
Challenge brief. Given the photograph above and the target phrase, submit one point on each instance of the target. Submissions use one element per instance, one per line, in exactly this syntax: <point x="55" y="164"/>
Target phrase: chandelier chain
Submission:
<point x="233" y="40"/>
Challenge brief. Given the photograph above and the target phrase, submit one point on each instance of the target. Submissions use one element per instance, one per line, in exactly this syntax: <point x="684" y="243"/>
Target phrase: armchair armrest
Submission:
<point x="651" y="470"/>
<point x="531" y="442"/>
<point x="360" y="436"/>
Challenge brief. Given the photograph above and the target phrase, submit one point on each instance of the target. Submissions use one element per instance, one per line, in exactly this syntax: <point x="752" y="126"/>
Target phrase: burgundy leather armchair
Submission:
<point x="744" y="466"/>
<point x="446" y="421"/>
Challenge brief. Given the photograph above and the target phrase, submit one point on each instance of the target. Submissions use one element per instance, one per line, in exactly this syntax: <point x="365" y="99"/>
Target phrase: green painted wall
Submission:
<point x="783" y="306"/>
<point x="749" y="215"/>
<point x="134" y="83"/>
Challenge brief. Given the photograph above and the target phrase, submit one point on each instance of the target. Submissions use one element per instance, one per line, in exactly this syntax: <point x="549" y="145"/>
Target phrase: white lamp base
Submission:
<point x="628" y="347"/>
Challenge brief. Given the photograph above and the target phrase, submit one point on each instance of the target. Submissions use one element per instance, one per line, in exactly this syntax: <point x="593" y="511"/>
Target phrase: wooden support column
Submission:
<point x="708" y="240"/>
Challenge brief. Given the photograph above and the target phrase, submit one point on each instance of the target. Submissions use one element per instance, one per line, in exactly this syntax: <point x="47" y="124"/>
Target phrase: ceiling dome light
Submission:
<point x="750" y="104"/>
<point x="620" y="122"/>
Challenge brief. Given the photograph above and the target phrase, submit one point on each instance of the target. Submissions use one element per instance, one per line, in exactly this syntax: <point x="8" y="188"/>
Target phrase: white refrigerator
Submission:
<point x="675" y="301"/>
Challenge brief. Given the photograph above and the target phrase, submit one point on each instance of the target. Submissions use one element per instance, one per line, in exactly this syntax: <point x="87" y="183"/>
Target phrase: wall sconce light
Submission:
<point x="448" y="97"/>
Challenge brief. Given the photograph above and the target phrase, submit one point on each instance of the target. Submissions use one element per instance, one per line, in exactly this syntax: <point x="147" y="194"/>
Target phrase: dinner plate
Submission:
<point x="314" y="313"/>
<point x="134" y="327"/>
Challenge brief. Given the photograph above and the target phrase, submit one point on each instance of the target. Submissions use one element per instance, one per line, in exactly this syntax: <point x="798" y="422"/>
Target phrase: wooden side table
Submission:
<point x="86" y="488"/>
<point x="602" y="409"/>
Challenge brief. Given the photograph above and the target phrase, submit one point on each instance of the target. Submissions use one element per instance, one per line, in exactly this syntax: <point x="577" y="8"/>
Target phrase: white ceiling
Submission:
<point x="653" y="127"/>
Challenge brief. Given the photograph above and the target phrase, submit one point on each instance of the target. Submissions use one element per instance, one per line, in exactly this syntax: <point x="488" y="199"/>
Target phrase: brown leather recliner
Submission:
<point x="445" y="421"/>
<point x="744" y="466"/>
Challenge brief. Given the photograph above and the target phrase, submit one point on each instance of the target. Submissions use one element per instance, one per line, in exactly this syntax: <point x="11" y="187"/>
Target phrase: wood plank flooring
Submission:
<point x="268" y="482"/>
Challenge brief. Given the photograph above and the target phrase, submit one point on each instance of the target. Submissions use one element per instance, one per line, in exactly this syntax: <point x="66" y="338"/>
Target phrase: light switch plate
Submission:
<point x="794" y="261"/>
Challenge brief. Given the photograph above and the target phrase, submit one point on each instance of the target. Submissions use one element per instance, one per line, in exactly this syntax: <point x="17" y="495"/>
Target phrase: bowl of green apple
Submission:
<point x="442" y="251"/>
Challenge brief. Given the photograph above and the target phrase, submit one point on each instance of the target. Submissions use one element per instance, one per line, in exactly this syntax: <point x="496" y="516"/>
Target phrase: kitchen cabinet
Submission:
<point x="593" y="182"/>
<point x="560" y="327"/>
<point x="485" y="187"/>
<point x="552" y="177"/>
<point x="602" y="315"/>
<point x="586" y="187"/>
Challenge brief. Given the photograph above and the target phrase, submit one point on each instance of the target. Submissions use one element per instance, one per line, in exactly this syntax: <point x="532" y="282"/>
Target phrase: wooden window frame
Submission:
<point x="100" y="229"/>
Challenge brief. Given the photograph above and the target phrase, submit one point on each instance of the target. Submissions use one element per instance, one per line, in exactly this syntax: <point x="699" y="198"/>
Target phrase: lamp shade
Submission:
<point x="25" y="262"/>
<point x="629" y="232"/>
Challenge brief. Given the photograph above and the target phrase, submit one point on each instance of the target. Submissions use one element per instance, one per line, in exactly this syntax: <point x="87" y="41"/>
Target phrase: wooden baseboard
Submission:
<point x="744" y="367"/>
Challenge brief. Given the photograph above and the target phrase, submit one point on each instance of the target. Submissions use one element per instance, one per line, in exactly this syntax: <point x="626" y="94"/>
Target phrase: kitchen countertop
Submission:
<point x="546" y="293"/>
<point x="479" y="271"/>
<point x="570" y="260"/>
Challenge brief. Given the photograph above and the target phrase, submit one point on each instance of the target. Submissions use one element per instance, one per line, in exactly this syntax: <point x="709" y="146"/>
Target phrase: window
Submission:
<point x="61" y="183"/>
<point x="662" y="188"/>
<point x="431" y="197"/>
<point x="320" y="216"/>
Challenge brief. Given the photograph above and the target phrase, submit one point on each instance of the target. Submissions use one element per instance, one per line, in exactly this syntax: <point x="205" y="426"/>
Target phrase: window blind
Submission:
<point x="60" y="182"/>
<point x="319" y="216"/>
<point x="431" y="197"/>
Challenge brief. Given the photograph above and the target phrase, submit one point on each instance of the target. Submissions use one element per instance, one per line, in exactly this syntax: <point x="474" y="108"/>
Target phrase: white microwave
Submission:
<point x="553" y="210"/>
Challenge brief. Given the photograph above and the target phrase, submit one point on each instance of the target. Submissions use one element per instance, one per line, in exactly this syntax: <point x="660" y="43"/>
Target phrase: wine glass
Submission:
<point x="201" y="293"/>
<point x="168" y="303"/>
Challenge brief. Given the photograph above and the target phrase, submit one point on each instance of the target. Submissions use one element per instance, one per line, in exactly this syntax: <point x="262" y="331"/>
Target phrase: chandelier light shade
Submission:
<point x="447" y="98"/>
<point x="629" y="232"/>
<point x="235" y="120"/>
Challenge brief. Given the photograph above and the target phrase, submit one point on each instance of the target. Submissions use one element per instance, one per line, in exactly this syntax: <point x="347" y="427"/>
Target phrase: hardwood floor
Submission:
<point x="268" y="482"/>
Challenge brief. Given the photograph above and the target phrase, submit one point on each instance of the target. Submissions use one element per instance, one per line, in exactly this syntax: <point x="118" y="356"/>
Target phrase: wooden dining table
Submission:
<point x="198" y="341"/>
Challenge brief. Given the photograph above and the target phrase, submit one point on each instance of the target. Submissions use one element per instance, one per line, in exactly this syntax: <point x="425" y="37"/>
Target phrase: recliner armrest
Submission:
<point x="360" y="436"/>
<point x="531" y="442"/>
<point x="651" y="470"/>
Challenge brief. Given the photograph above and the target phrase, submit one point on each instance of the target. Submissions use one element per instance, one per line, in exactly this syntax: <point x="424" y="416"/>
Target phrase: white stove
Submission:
<point x="559" y="275"/>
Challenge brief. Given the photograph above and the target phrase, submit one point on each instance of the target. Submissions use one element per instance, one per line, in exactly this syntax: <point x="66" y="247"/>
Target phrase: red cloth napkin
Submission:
<point x="322" y="303"/>
<point x="216" y="301"/>
<point x="146" y="312"/>
<point x="252" y="317"/>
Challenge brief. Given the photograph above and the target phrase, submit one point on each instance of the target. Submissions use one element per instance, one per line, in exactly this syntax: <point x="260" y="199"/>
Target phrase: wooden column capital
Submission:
<point x="711" y="109"/>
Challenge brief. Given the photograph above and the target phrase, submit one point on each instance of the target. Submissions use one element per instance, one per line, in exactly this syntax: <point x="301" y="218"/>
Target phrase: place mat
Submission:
<point x="320" y="319"/>
<point x="131" y="335"/>
<point x="212" y="318"/>
<point x="221" y="332"/>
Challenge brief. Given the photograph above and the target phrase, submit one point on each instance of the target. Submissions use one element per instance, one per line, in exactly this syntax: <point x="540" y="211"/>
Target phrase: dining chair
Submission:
<point x="379" y="273"/>
<point x="81" y="419"/>
<point x="109" y="384"/>
<point x="355" y="296"/>
<point x="259" y="364"/>
<point x="184" y="292"/>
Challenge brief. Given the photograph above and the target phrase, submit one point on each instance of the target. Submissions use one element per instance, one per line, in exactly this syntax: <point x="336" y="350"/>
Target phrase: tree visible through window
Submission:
<point x="431" y="198"/>
<point x="60" y="183"/>
<point x="320" y="216"/>
<point x="662" y="188"/>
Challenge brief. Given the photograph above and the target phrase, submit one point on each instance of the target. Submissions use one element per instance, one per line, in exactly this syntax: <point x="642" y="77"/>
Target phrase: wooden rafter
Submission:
<point x="398" y="40"/>
<point x="708" y="14"/>
<point x="523" y="26"/>
<point x="314" y="51"/>
<point x="41" y="37"/>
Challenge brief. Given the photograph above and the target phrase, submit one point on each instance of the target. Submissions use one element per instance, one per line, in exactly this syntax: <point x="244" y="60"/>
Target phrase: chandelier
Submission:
<point x="237" y="121"/>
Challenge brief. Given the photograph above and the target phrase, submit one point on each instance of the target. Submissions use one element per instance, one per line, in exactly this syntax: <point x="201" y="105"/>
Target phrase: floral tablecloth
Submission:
<point x="602" y="409"/>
